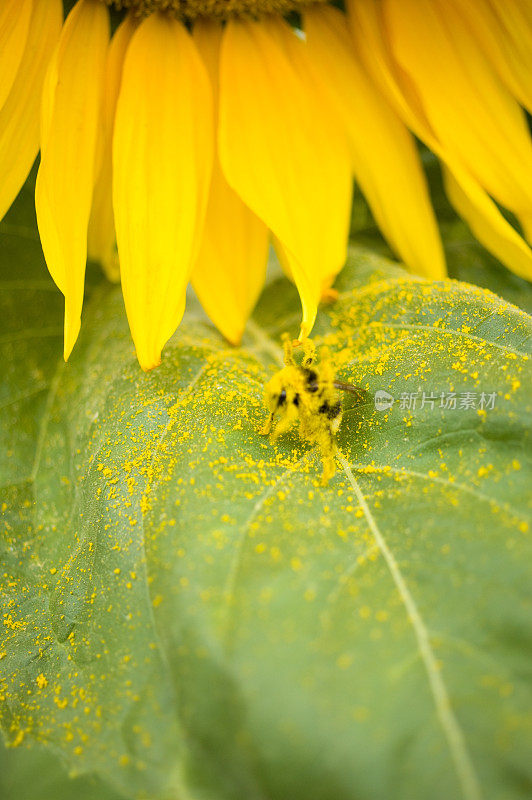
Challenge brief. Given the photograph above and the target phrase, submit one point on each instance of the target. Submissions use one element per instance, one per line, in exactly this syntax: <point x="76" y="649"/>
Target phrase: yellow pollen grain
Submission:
<point x="19" y="738"/>
<point x="41" y="681"/>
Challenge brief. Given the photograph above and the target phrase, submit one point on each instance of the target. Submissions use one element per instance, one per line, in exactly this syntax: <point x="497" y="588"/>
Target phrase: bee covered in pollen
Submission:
<point x="308" y="392"/>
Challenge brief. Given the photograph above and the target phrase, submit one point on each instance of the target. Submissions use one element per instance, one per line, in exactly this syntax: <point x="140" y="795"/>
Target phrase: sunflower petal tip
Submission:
<point x="72" y="328"/>
<point x="304" y="332"/>
<point x="147" y="364"/>
<point x="234" y="336"/>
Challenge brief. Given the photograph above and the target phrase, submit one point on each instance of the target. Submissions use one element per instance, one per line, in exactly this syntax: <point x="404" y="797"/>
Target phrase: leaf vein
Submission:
<point x="500" y="504"/>
<point x="453" y="733"/>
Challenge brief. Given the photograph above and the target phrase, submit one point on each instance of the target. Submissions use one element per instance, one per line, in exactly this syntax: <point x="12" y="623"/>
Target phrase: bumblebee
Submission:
<point x="308" y="392"/>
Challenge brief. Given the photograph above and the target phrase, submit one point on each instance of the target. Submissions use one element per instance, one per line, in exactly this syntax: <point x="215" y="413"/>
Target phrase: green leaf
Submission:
<point x="188" y="613"/>
<point x="27" y="774"/>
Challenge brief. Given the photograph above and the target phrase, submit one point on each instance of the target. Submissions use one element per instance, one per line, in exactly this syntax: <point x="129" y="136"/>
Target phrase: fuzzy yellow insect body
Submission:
<point x="306" y="393"/>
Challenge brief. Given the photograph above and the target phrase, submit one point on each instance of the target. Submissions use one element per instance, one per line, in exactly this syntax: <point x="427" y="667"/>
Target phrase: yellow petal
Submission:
<point x="19" y="115"/>
<point x="474" y="117"/>
<point x="71" y="107"/>
<point x="229" y="273"/>
<point x="512" y="31"/>
<point x="488" y="225"/>
<point x="162" y="157"/>
<point x="365" y="18"/>
<point x="504" y="30"/>
<point x="230" y="269"/>
<point x="325" y="294"/>
<point x="515" y="18"/>
<point x="14" y="26"/>
<point x="371" y="34"/>
<point x="282" y="155"/>
<point x="101" y="233"/>
<point x="385" y="159"/>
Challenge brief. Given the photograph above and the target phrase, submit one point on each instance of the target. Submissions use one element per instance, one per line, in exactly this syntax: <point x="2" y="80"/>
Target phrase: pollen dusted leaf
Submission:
<point x="187" y="613"/>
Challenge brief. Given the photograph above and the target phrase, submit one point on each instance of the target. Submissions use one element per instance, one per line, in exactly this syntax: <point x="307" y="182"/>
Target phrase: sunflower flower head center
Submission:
<point x="213" y="9"/>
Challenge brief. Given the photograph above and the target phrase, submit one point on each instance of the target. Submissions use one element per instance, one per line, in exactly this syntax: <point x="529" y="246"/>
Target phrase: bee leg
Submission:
<point x="329" y="468"/>
<point x="282" y="427"/>
<point x="284" y="424"/>
<point x="266" y="428"/>
<point x="288" y="352"/>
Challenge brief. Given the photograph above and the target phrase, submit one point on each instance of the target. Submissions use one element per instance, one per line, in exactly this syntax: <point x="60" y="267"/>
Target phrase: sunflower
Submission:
<point x="201" y="130"/>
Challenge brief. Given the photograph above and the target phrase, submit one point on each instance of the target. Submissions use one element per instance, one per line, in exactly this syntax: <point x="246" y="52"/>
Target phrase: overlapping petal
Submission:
<point x="101" y="233"/>
<point x="504" y="30"/>
<point x="475" y="118"/>
<point x="515" y="20"/>
<point x="487" y="223"/>
<point x="70" y="121"/>
<point x="20" y="112"/>
<point x="14" y="25"/>
<point x="230" y="269"/>
<point x="373" y="33"/>
<point x="385" y="160"/>
<point x="162" y="159"/>
<point x="282" y="155"/>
